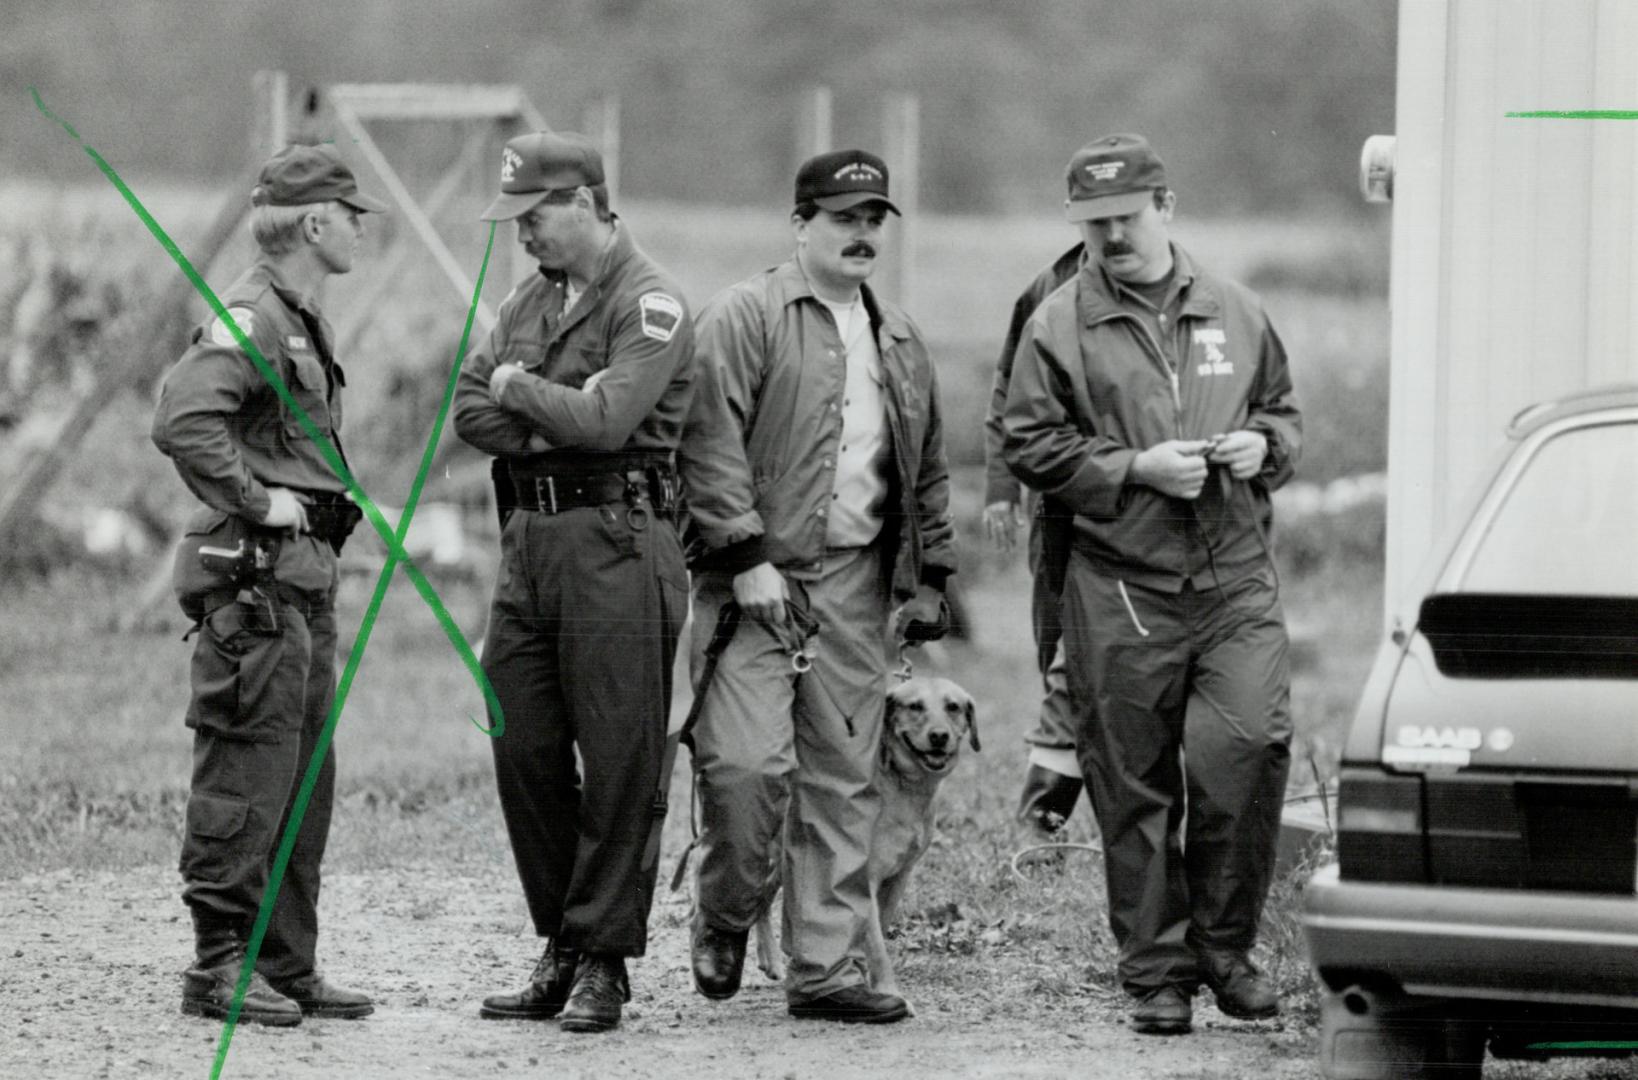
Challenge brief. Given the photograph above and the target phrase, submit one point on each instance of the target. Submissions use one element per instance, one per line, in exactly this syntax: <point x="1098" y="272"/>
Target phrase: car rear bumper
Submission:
<point x="1460" y="942"/>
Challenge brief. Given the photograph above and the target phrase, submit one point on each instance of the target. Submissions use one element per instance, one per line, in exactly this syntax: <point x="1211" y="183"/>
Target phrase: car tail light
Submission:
<point x="1379" y="827"/>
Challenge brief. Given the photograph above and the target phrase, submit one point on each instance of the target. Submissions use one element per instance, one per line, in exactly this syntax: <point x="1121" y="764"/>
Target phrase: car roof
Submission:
<point x="1595" y="399"/>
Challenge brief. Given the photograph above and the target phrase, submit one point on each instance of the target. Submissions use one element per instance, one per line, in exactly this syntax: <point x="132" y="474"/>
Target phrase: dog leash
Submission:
<point x="905" y="669"/>
<point x="804" y="626"/>
<point x="727" y="625"/>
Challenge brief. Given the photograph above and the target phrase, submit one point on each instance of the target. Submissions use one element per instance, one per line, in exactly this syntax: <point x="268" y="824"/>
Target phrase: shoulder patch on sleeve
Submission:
<point x="222" y="334"/>
<point x="661" y="314"/>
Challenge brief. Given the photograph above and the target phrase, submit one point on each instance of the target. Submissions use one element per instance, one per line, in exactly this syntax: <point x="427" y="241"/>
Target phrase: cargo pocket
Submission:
<point x="248" y="685"/>
<point x="212" y="819"/>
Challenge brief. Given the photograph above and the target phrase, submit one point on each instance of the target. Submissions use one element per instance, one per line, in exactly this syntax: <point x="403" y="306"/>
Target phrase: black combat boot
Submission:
<point x="718" y="958"/>
<point x="600" y="988"/>
<point x="546" y="993"/>
<point x="317" y="996"/>
<point x="208" y="988"/>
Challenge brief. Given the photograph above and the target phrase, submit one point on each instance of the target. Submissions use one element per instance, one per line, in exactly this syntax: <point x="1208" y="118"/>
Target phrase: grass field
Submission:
<point x="96" y="763"/>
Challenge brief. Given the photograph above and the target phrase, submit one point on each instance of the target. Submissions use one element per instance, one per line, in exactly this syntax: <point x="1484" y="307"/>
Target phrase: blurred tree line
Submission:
<point x="1257" y="105"/>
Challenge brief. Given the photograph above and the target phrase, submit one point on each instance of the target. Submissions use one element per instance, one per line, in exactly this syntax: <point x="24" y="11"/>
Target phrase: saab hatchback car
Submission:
<point x="1484" y="890"/>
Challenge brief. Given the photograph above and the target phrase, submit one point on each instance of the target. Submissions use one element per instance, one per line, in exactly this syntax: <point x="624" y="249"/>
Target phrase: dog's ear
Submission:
<point x="972" y="725"/>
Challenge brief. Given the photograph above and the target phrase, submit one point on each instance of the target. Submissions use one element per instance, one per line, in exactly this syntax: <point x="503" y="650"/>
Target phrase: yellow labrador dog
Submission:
<point x="927" y="720"/>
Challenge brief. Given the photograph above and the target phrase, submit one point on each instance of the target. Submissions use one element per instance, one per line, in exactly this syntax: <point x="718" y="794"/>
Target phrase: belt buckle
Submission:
<point x="546" y="494"/>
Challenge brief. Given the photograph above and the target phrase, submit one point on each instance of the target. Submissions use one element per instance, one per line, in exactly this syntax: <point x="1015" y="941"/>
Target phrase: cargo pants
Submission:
<point x="1052" y="740"/>
<point x="258" y="705"/>
<point x="583" y="628"/>
<point x="781" y="754"/>
<point x="1192" y="697"/>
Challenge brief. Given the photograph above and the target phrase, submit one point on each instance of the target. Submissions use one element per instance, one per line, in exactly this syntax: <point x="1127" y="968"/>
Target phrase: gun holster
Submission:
<point x="224" y="559"/>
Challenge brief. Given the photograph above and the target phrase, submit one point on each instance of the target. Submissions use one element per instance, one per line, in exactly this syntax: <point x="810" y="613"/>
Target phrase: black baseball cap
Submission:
<point x="843" y="178"/>
<point x="534" y="165"/>
<point x="1113" y="176"/>
<point x="301" y="174"/>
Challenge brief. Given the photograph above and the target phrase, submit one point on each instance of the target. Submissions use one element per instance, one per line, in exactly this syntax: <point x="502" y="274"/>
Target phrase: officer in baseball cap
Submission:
<point x="819" y="489"/>
<point x="1205" y="717"/>
<point x="579" y="393"/>
<point x="256" y="571"/>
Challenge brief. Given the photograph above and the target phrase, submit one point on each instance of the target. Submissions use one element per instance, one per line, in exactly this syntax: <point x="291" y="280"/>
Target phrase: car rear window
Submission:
<point x="1569" y="526"/>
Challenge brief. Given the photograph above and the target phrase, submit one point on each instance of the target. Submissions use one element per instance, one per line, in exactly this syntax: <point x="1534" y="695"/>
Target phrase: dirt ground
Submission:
<point x="92" y="961"/>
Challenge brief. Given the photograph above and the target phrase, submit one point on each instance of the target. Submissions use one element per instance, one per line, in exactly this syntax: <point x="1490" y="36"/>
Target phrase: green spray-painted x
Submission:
<point x="393" y="538"/>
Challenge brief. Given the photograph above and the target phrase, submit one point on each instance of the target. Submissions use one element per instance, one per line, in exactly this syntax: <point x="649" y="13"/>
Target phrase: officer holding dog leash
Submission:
<point x="816" y="478"/>
<point x="580" y="393"/>
<point x="257" y="572"/>
<point x="1154" y="400"/>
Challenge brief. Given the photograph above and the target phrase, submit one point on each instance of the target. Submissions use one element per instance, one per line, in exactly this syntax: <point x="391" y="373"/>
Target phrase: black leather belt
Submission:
<point x="551" y="494"/>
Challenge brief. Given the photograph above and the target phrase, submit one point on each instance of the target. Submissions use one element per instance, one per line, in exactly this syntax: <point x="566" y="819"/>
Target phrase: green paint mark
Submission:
<point x="1619" y="1044"/>
<point x="394" y="539"/>
<point x="1576" y="114"/>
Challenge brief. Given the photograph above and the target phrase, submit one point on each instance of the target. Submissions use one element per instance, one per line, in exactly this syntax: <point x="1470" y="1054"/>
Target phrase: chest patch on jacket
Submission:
<point x="661" y="314"/>
<point x="222" y="334"/>
<point x="1209" y="342"/>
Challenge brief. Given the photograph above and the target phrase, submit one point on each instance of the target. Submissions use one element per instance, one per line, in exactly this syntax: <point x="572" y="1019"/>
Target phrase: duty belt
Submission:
<point x="557" y="492"/>
<point x="308" y="603"/>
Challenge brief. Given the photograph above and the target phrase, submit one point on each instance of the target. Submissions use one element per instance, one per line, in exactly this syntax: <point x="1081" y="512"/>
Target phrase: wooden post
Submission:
<point x="601" y="121"/>
<point x="901" y="146"/>
<point x="270" y="126"/>
<point x="813" y="128"/>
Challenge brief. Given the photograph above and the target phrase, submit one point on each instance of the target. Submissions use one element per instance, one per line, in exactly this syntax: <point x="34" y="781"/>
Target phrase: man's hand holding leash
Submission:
<point x="760" y="593"/>
<point x="1242" y="451"/>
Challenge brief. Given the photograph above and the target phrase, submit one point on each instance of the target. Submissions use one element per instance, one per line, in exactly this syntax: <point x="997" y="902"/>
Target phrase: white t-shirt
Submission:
<point x="860" y="484"/>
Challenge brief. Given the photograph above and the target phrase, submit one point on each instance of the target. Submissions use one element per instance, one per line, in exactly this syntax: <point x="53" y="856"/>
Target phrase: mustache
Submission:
<point x="1117" y="247"/>
<point x="860" y="247"/>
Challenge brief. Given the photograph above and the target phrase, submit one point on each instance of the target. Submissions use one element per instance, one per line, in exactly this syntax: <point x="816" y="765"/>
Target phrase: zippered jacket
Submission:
<point x="1092" y="386"/>
<point x="758" y="457"/>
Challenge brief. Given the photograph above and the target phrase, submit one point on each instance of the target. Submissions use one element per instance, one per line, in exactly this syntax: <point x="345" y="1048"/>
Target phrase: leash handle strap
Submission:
<point x="727" y="625"/>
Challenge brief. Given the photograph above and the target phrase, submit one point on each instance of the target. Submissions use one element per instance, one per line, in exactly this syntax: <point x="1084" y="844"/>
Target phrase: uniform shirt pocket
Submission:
<point x="309" y="388"/>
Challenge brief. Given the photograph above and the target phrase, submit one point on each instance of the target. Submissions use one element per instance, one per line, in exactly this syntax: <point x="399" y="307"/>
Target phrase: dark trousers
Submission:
<point x="1051" y="530"/>
<point x="1192" y="698"/>
<point x="258" y="707"/>
<point x="583" y="628"/>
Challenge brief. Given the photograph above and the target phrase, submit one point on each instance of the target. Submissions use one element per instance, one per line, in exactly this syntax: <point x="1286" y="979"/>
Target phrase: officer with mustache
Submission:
<point x="1154" y="401"/>
<point x="814" y="463"/>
